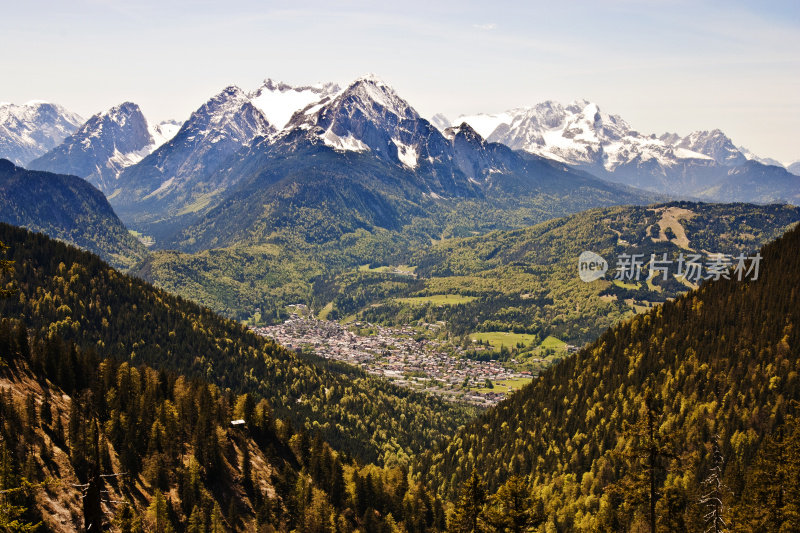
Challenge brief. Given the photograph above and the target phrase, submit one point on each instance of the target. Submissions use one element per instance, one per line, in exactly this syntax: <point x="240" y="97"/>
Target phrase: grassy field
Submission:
<point x="502" y="338"/>
<point x="550" y="350"/>
<point x="554" y="343"/>
<point x="505" y="385"/>
<point x="199" y="203"/>
<point x="437" y="299"/>
<point x="629" y="286"/>
<point x="325" y="311"/>
<point x="144" y="239"/>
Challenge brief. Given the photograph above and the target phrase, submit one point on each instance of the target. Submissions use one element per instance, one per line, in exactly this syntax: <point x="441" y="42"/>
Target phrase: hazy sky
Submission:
<point x="661" y="65"/>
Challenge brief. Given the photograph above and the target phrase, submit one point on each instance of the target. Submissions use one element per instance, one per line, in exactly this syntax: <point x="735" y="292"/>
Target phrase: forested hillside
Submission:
<point x="64" y="291"/>
<point x="67" y="208"/>
<point x="303" y="210"/>
<point x="90" y="444"/>
<point x="691" y="408"/>
<point x="526" y="281"/>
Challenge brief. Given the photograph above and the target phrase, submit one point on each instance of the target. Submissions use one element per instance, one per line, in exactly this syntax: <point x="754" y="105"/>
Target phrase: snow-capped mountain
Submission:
<point x="174" y="179"/>
<point x="581" y="135"/>
<point x="714" y="144"/>
<point x="278" y="101"/>
<point x="164" y="131"/>
<point x="440" y="121"/>
<point x="365" y="159"/>
<point x="763" y="160"/>
<point x="794" y="168"/>
<point x="177" y="174"/>
<point x="31" y="129"/>
<point x="369" y="116"/>
<point x="577" y="134"/>
<point x="104" y="145"/>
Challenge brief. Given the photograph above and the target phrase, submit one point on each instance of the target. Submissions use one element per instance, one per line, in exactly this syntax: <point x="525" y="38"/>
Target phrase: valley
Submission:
<point x="311" y="309"/>
<point x="405" y="356"/>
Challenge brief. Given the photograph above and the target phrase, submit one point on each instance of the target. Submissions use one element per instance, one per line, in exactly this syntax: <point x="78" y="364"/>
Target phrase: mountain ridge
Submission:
<point x="580" y="134"/>
<point x="29" y="130"/>
<point x="104" y="145"/>
<point x="714" y="369"/>
<point x="66" y="208"/>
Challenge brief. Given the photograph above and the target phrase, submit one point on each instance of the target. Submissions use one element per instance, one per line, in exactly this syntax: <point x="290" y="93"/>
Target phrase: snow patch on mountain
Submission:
<point x="164" y="131"/>
<point x="486" y="124"/>
<point x="345" y="144"/>
<point x="406" y="154"/>
<point x="278" y="101"/>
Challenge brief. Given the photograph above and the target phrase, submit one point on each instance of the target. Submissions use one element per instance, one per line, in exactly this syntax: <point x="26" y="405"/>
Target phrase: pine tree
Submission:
<point x="93" y="516"/>
<point x="469" y="512"/>
<point x="217" y="521"/>
<point x="13" y="489"/>
<point x="715" y="491"/>
<point x="338" y="490"/>
<point x="158" y="514"/>
<point x="46" y="413"/>
<point x="512" y="508"/>
<point x="247" y="469"/>
<point x="125" y="520"/>
<point x="649" y="449"/>
<point x="6" y="269"/>
<point x="197" y="521"/>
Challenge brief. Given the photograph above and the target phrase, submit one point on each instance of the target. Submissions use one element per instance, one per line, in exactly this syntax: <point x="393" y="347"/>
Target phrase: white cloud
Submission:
<point x="485" y="27"/>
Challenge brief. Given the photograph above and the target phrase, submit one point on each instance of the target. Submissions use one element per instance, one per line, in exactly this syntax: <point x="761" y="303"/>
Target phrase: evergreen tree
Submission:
<point x="13" y="489"/>
<point x="512" y="509"/>
<point x="158" y="514"/>
<point x="197" y="521"/>
<point x="469" y="514"/>
<point x="217" y="521"/>
<point x="649" y="448"/>
<point x="715" y="492"/>
<point x="126" y="520"/>
<point x="6" y="270"/>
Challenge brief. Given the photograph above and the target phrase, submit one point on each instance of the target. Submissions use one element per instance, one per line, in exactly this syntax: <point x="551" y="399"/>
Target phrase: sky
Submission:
<point x="662" y="65"/>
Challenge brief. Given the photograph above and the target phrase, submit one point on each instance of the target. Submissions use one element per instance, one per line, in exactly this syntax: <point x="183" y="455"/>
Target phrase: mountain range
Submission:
<point x="703" y="164"/>
<point x="105" y="144"/>
<point x="365" y="159"/>
<point x="136" y="400"/>
<point x="163" y="189"/>
<point x="29" y="130"/>
<point x="298" y="181"/>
